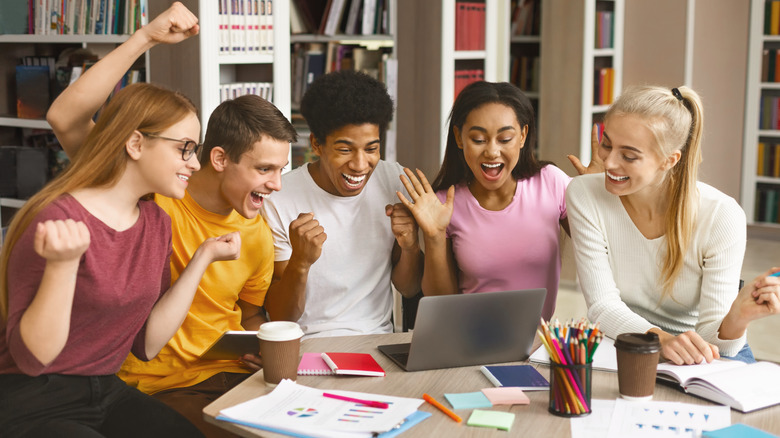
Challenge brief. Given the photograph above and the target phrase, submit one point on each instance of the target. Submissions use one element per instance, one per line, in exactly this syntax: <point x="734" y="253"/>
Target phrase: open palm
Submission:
<point x="431" y="215"/>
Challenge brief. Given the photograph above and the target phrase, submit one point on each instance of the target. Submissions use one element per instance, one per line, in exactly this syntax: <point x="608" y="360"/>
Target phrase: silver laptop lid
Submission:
<point x="474" y="329"/>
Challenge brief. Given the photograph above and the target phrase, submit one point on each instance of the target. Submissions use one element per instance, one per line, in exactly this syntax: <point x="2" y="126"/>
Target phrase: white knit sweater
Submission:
<point x="619" y="269"/>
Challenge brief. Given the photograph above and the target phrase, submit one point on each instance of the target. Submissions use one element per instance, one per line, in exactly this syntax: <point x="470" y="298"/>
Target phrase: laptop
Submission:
<point x="470" y="329"/>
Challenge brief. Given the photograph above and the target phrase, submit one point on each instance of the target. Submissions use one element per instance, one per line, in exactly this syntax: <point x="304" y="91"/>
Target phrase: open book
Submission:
<point x="744" y="387"/>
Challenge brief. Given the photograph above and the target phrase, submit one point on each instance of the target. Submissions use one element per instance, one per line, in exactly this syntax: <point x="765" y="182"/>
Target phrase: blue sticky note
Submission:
<point x="468" y="400"/>
<point x="737" y="430"/>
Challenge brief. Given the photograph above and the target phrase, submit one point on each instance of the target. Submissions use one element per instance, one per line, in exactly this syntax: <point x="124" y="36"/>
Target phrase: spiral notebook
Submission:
<point x="312" y="364"/>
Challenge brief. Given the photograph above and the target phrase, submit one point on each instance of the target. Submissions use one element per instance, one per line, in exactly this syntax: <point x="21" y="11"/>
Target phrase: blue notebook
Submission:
<point x="525" y="377"/>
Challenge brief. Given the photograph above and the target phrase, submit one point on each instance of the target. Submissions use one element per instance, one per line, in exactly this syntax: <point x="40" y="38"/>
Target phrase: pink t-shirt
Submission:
<point x="121" y="276"/>
<point x="515" y="248"/>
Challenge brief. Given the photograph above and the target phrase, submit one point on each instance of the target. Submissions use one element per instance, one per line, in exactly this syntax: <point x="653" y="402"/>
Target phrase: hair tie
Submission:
<point x="676" y="93"/>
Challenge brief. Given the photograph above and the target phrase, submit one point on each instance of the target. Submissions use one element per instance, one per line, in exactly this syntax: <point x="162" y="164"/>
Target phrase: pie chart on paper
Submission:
<point x="302" y="412"/>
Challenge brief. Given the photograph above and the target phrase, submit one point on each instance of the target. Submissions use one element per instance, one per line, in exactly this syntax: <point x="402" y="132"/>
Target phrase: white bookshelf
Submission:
<point x="754" y="89"/>
<point x="613" y="56"/>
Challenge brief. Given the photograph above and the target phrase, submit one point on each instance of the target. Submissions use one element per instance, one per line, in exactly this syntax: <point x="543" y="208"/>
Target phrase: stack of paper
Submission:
<point x="294" y="409"/>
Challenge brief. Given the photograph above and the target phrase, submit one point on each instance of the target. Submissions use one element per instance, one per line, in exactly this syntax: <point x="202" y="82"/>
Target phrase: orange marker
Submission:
<point x="442" y="408"/>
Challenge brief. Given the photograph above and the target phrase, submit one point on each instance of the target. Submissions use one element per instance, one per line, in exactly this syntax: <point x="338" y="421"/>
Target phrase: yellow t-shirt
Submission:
<point x="214" y="308"/>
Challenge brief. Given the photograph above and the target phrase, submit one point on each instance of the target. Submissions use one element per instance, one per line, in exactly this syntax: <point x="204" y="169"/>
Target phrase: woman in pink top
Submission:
<point x="491" y="220"/>
<point x="85" y="269"/>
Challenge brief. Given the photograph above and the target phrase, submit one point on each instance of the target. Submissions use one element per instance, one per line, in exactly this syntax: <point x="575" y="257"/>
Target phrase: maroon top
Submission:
<point x="121" y="276"/>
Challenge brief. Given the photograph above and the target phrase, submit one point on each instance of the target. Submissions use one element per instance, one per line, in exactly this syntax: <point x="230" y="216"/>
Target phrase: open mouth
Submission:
<point x="352" y="181"/>
<point x="257" y="198"/>
<point x="617" y="178"/>
<point x="492" y="170"/>
<point x="184" y="178"/>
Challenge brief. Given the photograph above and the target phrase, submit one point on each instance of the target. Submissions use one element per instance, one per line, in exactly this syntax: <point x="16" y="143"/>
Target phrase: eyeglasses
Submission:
<point x="190" y="147"/>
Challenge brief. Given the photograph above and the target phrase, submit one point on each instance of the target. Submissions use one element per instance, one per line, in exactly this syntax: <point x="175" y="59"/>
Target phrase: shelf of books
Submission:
<point x="467" y="50"/>
<point x="525" y="46"/>
<point x="46" y="46"/>
<point x="761" y="157"/>
<point x="602" y="65"/>
<point x="340" y="35"/>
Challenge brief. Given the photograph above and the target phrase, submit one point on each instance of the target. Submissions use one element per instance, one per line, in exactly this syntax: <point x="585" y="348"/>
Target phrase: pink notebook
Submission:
<point x="312" y="364"/>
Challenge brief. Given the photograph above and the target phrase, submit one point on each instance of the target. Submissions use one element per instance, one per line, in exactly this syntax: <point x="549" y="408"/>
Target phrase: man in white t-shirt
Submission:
<point x="340" y="236"/>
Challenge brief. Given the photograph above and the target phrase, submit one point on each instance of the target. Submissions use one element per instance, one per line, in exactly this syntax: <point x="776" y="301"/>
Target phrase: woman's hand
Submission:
<point x="61" y="240"/>
<point x="686" y="348"/>
<point x="225" y="247"/>
<point x="431" y="215"/>
<point x="595" y="165"/>
<point x="758" y="298"/>
<point x="175" y="24"/>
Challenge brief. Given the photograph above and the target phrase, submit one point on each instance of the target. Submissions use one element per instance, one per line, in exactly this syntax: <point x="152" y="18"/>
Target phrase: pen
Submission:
<point x="442" y="408"/>
<point x="776" y="274"/>
<point x="371" y="403"/>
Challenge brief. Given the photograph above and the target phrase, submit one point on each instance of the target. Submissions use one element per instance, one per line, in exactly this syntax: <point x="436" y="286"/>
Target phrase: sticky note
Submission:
<point x="468" y="400"/>
<point x="737" y="430"/>
<point x="496" y="419"/>
<point x="506" y="395"/>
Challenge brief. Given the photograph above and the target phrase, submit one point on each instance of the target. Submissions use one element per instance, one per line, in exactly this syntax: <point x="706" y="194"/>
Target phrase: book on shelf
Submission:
<point x="525" y="17"/>
<point x="245" y="27"/>
<point x="772" y="18"/>
<point x="32" y="91"/>
<point x="744" y="387"/>
<point x="465" y="77"/>
<point x="86" y="17"/>
<point x="235" y="89"/>
<point x="469" y="26"/>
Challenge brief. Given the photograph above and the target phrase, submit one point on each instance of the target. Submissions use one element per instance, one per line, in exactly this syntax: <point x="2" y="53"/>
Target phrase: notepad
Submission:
<point x="497" y="419"/>
<point x="468" y="400"/>
<point x="312" y="364"/>
<point x="744" y="387"/>
<point x="506" y="396"/>
<point x="356" y="364"/>
<point x="525" y="377"/>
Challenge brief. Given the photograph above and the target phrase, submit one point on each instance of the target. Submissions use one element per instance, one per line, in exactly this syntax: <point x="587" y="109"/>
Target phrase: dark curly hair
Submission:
<point x="346" y="97"/>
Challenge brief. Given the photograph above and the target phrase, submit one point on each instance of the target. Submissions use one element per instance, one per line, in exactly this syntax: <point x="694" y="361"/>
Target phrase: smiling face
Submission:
<point x="631" y="157"/>
<point x="256" y="175"/>
<point x="491" y="140"/>
<point x="162" y="166"/>
<point x="347" y="159"/>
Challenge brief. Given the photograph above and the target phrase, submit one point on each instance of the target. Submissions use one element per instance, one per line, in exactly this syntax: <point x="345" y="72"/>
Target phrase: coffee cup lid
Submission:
<point x="279" y="331"/>
<point x="638" y="342"/>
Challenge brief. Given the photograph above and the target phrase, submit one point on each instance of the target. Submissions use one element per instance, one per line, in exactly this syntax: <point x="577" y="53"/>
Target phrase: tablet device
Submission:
<point x="232" y="345"/>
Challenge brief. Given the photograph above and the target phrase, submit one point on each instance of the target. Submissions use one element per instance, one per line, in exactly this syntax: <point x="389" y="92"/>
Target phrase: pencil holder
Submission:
<point x="570" y="389"/>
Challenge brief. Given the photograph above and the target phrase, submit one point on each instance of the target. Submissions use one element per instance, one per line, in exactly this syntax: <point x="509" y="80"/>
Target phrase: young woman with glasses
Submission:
<point x="85" y="272"/>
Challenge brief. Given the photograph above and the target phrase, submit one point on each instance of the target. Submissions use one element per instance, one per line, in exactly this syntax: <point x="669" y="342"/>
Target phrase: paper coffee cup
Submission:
<point x="280" y="343"/>
<point x="637" y="359"/>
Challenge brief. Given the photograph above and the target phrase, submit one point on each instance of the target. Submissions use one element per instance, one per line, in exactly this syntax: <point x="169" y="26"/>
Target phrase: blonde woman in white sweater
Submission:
<point x="656" y="250"/>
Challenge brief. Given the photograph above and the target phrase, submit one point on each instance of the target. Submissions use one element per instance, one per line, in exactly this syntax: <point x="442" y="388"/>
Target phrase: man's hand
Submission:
<point x="306" y="238"/>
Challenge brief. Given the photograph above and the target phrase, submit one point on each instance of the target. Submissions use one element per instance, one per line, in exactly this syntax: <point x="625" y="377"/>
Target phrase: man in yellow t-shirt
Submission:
<point x="246" y="146"/>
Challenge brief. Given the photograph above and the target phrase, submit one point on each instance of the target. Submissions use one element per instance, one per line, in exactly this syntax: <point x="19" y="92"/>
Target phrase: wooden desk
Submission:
<point x="533" y="417"/>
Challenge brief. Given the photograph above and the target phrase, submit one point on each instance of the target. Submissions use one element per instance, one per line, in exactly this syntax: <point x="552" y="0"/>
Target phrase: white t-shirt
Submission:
<point x="348" y="291"/>
<point x="619" y="269"/>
